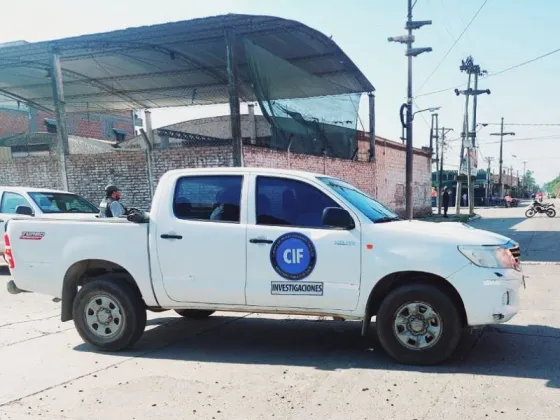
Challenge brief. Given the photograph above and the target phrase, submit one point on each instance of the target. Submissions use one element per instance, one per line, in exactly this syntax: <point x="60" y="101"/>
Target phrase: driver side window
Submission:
<point x="287" y="202"/>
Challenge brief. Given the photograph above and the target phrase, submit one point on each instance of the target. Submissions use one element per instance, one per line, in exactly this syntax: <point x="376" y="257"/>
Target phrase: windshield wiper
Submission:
<point x="386" y="219"/>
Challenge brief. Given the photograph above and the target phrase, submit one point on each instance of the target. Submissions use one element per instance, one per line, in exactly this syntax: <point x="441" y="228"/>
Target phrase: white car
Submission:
<point x="269" y="241"/>
<point x="41" y="202"/>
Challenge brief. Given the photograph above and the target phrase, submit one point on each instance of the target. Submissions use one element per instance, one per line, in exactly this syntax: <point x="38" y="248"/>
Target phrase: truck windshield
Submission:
<point x="371" y="208"/>
<point x="62" y="203"/>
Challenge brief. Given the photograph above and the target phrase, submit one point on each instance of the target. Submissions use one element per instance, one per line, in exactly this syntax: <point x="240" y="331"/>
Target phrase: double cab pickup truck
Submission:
<point x="269" y="241"/>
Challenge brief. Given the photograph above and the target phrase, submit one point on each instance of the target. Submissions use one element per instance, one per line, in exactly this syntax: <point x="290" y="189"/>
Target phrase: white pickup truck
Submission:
<point x="270" y="241"/>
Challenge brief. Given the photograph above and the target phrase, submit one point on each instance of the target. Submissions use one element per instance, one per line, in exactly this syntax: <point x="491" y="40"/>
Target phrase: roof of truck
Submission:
<point x="221" y="170"/>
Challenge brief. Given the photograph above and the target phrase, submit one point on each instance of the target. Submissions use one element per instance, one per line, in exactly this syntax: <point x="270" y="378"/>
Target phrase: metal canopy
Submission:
<point x="173" y="64"/>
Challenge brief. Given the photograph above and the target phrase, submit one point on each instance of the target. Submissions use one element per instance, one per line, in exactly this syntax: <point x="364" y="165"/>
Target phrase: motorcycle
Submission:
<point x="546" y="208"/>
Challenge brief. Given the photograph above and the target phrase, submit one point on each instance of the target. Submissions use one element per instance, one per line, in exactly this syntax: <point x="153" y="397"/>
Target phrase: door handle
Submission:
<point x="260" y="241"/>
<point x="169" y="236"/>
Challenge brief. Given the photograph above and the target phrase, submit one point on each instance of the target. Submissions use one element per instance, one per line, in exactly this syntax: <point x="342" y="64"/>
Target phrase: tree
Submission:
<point x="553" y="187"/>
<point x="529" y="183"/>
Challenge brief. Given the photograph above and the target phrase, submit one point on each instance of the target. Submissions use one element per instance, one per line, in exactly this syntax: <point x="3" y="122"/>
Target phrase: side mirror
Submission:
<point x="338" y="218"/>
<point x="24" y="210"/>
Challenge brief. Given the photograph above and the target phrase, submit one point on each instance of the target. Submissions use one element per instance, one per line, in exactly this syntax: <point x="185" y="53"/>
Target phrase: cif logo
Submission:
<point x="293" y="256"/>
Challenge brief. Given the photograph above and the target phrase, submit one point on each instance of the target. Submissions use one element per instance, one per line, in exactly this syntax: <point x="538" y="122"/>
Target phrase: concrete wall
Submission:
<point x="88" y="174"/>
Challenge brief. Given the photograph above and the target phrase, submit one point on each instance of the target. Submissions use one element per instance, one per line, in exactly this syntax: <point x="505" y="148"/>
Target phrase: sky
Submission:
<point x="503" y="34"/>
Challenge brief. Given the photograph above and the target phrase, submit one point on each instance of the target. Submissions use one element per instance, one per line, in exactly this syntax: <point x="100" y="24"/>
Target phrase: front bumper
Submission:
<point x="490" y="296"/>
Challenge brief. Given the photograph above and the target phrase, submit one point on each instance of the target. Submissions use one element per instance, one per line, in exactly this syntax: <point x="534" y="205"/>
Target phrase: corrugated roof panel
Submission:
<point x="179" y="63"/>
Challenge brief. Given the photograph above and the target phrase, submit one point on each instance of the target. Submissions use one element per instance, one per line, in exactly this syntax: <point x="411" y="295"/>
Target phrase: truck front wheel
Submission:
<point x="109" y="314"/>
<point x="194" y="313"/>
<point x="419" y="325"/>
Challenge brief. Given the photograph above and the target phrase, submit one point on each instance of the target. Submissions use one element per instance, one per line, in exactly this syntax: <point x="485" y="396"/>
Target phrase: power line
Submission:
<point x="524" y="139"/>
<point x="524" y="63"/>
<point x="491" y="74"/>
<point x="440" y="91"/>
<point x="529" y="124"/>
<point x="453" y="46"/>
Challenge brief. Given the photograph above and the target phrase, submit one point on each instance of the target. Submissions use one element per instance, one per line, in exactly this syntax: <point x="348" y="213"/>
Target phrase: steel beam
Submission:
<point x="234" y="99"/>
<point x="60" y="112"/>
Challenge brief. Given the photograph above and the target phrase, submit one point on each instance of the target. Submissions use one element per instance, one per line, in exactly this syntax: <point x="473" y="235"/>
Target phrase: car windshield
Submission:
<point x="371" y="208"/>
<point x="62" y="203"/>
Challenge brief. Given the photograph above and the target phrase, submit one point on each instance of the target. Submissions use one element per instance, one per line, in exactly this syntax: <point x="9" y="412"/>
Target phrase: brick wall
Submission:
<point x="39" y="171"/>
<point x="92" y="125"/>
<point x="384" y="179"/>
<point x="88" y="174"/>
<point x="13" y="122"/>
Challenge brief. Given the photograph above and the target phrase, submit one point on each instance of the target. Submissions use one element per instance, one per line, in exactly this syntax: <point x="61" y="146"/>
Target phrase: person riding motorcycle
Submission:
<point x="110" y="206"/>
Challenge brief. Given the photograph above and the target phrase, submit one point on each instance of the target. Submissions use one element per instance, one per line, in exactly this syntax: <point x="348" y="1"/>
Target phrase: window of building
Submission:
<point x="51" y="125"/>
<point x="287" y="202"/>
<point x="120" y="135"/>
<point x="213" y="198"/>
<point x="10" y="201"/>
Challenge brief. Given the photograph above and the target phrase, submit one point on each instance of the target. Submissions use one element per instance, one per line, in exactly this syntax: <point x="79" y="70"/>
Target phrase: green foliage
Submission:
<point x="553" y="187"/>
<point x="529" y="182"/>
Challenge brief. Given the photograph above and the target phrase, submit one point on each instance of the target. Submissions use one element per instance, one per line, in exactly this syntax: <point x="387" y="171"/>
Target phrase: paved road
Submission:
<point x="247" y="366"/>
<point x="539" y="237"/>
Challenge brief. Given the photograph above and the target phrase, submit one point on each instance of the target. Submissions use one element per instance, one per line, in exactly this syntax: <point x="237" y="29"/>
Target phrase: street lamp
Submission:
<point x="432" y="109"/>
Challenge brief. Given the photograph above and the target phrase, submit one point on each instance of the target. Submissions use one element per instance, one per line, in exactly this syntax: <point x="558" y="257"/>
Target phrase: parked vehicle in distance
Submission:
<point x="41" y="202"/>
<point x="538" y="207"/>
<point x="270" y="241"/>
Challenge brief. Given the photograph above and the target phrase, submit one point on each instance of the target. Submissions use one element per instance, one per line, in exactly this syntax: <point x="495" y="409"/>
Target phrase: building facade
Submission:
<point x="482" y="183"/>
<point x="19" y="119"/>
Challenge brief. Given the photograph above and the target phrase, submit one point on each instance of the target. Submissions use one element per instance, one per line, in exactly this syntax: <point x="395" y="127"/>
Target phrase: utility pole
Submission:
<point x="524" y="177"/>
<point x="410" y="53"/>
<point x="489" y="160"/>
<point x="459" y="186"/>
<point x="502" y="134"/>
<point x="469" y="136"/>
<point x="444" y="131"/>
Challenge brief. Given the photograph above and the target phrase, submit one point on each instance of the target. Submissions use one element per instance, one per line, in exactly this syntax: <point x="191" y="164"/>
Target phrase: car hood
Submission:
<point x="458" y="233"/>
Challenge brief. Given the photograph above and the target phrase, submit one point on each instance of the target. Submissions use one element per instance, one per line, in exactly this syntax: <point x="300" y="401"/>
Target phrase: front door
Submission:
<point x="293" y="260"/>
<point x="201" y="247"/>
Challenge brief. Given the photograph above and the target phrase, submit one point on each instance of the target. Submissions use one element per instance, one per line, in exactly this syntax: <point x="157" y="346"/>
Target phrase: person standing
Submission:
<point x="110" y="206"/>
<point x="445" y="201"/>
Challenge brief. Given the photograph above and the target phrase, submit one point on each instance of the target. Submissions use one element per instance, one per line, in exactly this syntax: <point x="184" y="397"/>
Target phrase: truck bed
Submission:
<point x="44" y="249"/>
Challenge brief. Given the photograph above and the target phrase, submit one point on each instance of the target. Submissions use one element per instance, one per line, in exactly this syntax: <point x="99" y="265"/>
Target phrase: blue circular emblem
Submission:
<point x="293" y="256"/>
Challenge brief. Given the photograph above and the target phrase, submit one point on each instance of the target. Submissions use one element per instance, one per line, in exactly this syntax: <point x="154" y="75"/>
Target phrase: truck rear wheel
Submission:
<point x="419" y="325"/>
<point x="194" y="313"/>
<point x="109" y="314"/>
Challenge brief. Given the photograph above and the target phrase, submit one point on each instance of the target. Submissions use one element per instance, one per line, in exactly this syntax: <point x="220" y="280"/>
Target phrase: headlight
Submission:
<point x="489" y="256"/>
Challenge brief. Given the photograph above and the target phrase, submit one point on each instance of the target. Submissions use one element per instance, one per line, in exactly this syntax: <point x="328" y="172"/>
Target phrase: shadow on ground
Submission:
<point x="509" y="351"/>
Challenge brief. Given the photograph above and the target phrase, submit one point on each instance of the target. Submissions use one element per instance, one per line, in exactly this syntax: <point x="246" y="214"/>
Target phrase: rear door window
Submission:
<point x="213" y="198"/>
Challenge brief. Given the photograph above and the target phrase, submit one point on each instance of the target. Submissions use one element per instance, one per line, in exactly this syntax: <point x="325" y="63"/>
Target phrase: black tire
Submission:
<point x="551" y="212"/>
<point x="451" y="325"/>
<point x="129" y="305"/>
<point x="194" y="313"/>
<point x="529" y="213"/>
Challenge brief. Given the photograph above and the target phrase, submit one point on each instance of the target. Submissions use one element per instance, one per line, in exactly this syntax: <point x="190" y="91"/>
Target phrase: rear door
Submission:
<point x="201" y="246"/>
<point x="292" y="259"/>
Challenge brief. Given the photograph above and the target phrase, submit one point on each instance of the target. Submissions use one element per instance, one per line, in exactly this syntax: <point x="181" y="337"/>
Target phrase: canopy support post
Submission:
<point x="60" y="112"/>
<point x="237" y="143"/>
